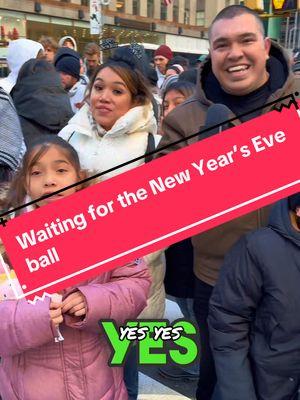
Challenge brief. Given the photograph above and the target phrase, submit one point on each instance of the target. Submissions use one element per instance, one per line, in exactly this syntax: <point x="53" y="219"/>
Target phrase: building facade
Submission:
<point x="182" y="25"/>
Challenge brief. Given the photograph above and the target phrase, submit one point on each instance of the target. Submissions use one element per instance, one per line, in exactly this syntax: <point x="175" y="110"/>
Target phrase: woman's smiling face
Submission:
<point x="110" y="98"/>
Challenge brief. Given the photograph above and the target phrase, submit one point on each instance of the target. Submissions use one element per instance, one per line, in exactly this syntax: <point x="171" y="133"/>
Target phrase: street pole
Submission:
<point x="287" y="32"/>
<point x="296" y="30"/>
<point x="102" y="3"/>
<point x="96" y="20"/>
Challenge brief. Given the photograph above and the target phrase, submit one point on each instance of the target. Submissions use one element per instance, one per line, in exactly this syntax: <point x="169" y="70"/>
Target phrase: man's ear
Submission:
<point x="267" y="42"/>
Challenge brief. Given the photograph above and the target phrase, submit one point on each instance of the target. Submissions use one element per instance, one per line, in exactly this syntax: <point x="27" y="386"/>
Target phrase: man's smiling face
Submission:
<point x="239" y="53"/>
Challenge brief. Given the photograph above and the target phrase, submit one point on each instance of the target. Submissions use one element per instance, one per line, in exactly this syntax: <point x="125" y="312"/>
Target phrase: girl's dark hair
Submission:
<point x="135" y="81"/>
<point x="17" y="192"/>
<point x="187" y="89"/>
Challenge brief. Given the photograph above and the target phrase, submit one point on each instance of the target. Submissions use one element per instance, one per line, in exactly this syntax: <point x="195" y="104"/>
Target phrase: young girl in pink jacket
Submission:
<point x="35" y="367"/>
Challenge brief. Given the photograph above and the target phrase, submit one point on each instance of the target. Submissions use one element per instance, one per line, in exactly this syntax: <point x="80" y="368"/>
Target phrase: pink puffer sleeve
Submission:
<point x="123" y="297"/>
<point x="24" y="326"/>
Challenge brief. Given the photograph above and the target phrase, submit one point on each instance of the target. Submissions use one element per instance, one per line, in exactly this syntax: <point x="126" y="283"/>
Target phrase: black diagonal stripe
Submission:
<point x="291" y="96"/>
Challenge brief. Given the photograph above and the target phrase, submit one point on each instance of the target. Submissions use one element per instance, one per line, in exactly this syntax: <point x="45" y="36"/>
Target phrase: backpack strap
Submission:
<point x="150" y="148"/>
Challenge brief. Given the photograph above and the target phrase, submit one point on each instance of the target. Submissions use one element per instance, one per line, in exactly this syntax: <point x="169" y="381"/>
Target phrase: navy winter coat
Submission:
<point x="254" y="315"/>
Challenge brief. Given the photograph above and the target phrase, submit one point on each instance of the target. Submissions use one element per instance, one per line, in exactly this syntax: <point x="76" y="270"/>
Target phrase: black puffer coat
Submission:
<point x="255" y="314"/>
<point x="41" y="102"/>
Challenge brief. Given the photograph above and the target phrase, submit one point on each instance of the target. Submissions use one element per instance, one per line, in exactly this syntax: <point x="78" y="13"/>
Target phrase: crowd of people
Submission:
<point x="66" y="116"/>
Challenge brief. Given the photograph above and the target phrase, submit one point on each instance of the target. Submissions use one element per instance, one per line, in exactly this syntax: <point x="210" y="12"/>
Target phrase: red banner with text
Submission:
<point x="154" y="205"/>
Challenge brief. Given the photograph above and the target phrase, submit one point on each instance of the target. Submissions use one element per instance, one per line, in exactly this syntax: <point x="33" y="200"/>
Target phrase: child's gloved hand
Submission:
<point x="75" y="304"/>
<point x="56" y="313"/>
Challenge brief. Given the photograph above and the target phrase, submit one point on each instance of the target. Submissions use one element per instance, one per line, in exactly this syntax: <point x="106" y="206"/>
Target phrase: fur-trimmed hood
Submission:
<point x="64" y="38"/>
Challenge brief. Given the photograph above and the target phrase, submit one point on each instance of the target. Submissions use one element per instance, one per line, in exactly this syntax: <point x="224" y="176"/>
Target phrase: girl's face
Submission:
<point x="110" y="98"/>
<point x="52" y="171"/>
<point x="172" y="99"/>
<point x="68" y="43"/>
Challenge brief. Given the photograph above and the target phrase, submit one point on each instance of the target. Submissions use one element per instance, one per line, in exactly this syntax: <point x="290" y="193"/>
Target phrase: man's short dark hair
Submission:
<point x="235" y="11"/>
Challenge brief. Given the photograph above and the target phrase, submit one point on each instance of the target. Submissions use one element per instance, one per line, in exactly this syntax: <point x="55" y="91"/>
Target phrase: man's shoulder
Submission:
<point x="187" y="119"/>
<point x="188" y="116"/>
<point x="260" y="242"/>
<point x="283" y="95"/>
<point x="296" y="83"/>
<point x="292" y="84"/>
<point x="192" y="103"/>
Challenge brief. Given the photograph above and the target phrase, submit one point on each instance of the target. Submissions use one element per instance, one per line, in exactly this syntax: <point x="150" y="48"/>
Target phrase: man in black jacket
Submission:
<point x="254" y="311"/>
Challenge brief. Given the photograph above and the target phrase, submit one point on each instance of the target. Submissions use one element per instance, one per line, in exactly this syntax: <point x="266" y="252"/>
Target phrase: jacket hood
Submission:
<point x="137" y="119"/>
<point x="40" y="98"/>
<point x="61" y="41"/>
<point x="278" y="64"/>
<point x="281" y="223"/>
<point x="19" y="51"/>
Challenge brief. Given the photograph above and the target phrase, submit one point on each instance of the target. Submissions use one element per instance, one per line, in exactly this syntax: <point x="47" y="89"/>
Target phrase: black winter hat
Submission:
<point x="294" y="201"/>
<point x="67" y="61"/>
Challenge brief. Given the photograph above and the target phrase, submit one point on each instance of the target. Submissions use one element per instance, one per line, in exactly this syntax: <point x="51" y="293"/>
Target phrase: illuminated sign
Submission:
<point x="285" y="5"/>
